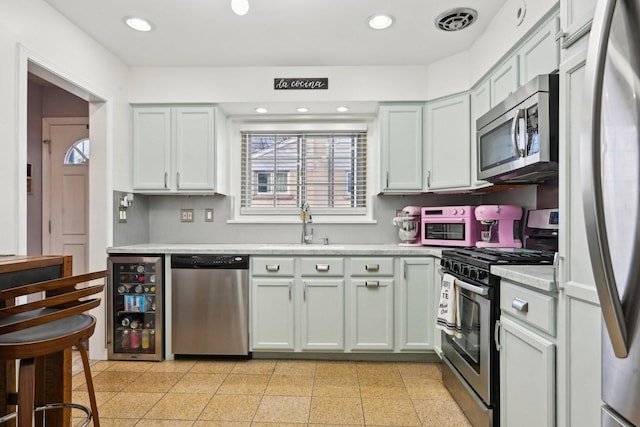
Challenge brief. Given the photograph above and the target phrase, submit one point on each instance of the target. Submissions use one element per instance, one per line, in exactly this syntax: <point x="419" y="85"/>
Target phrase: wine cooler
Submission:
<point x="135" y="307"/>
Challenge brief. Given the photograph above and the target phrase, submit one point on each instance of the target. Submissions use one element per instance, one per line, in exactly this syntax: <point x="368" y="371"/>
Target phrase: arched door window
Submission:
<point x="78" y="153"/>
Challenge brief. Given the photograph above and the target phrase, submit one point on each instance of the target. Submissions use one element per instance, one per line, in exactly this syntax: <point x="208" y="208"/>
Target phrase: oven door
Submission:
<point x="471" y="354"/>
<point x="445" y="232"/>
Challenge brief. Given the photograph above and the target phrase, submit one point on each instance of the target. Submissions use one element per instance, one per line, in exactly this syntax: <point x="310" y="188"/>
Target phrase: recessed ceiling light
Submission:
<point x="240" y="7"/>
<point x="342" y="109"/>
<point x="302" y="109"/>
<point x="380" y="21"/>
<point x="261" y="110"/>
<point x="138" y="24"/>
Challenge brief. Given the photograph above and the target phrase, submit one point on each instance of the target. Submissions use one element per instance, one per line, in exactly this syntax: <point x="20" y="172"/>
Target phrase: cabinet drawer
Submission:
<point x="371" y="266"/>
<point x="533" y="308"/>
<point x="321" y="266"/>
<point x="272" y="266"/>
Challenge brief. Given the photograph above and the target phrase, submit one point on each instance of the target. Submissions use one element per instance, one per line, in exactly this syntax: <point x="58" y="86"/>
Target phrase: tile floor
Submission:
<point x="269" y="393"/>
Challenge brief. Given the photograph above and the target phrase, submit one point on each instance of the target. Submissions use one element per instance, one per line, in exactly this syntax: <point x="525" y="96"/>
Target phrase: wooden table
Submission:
<point x="54" y="375"/>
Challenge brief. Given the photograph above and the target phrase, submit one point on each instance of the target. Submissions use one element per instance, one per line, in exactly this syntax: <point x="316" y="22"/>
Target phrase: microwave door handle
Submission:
<point x="514" y="132"/>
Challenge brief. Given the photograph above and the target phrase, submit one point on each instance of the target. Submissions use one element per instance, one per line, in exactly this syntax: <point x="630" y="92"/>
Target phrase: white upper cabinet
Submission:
<point x="480" y="104"/>
<point x="151" y="148"/>
<point x="541" y="53"/>
<point x="401" y="148"/>
<point x="195" y="148"/>
<point x="447" y="146"/>
<point x="576" y="17"/>
<point x="174" y="148"/>
<point x="504" y="80"/>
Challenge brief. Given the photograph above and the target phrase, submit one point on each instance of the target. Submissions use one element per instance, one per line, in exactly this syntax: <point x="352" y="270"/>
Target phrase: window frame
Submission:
<point x="291" y="215"/>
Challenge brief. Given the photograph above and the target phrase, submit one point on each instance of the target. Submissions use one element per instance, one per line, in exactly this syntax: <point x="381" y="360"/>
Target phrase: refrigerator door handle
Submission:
<point x="592" y="195"/>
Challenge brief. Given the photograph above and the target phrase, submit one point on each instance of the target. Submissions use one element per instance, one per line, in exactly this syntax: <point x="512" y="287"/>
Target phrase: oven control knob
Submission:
<point x="465" y="270"/>
<point x="482" y="274"/>
<point x="461" y="211"/>
<point x="453" y="211"/>
<point x="473" y="274"/>
<point x="455" y="266"/>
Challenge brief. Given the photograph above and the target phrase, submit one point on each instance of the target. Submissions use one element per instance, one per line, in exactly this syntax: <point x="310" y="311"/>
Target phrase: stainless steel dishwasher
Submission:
<point x="209" y="304"/>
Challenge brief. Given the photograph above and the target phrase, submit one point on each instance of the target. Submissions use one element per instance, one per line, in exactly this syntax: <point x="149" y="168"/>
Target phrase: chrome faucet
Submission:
<point x="305" y="217"/>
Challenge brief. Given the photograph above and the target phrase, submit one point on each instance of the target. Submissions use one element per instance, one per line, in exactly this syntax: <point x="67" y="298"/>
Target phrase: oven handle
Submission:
<point x="496" y="334"/>
<point x="442" y="220"/>
<point x="480" y="290"/>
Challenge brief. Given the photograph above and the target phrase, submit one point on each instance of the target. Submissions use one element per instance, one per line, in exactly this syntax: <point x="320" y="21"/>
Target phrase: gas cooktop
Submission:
<point x="502" y="256"/>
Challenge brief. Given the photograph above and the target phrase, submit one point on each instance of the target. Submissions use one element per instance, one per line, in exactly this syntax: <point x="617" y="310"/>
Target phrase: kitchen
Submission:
<point x="102" y="77"/>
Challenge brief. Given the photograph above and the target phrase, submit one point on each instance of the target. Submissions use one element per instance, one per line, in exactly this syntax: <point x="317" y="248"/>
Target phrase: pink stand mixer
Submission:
<point x="499" y="221"/>
<point x="408" y="223"/>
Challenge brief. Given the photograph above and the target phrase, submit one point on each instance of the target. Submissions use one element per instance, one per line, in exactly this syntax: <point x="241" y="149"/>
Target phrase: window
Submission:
<point x="281" y="170"/>
<point x="78" y="153"/>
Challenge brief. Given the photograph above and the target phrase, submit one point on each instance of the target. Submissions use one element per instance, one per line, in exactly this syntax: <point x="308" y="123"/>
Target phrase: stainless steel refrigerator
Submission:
<point x="611" y="184"/>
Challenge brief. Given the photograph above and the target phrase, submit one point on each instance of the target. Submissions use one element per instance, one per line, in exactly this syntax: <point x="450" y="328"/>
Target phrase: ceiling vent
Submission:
<point x="456" y="19"/>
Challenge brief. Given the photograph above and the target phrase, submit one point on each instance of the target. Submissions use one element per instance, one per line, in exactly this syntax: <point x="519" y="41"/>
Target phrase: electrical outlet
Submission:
<point x="186" y="215"/>
<point x="208" y="215"/>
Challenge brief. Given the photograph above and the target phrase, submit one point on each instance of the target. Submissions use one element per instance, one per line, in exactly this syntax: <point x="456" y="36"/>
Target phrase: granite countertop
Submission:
<point x="277" y="249"/>
<point x="536" y="276"/>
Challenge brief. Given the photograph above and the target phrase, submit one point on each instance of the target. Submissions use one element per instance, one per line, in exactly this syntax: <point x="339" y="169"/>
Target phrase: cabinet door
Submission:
<point x="371" y="314"/>
<point x="322" y="322"/>
<point x="272" y="310"/>
<point x="576" y="17"/>
<point x="579" y="314"/>
<point x="448" y="150"/>
<point x="151" y="148"/>
<point x="527" y="377"/>
<point x="480" y="104"/>
<point x="416" y="312"/>
<point x="504" y="80"/>
<point x="195" y="148"/>
<point x="541" y="53"/>
<point x="401" y="143"/>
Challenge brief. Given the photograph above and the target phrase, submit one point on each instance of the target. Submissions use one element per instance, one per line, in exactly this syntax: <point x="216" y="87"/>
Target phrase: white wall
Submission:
<point x="31" y="32"/>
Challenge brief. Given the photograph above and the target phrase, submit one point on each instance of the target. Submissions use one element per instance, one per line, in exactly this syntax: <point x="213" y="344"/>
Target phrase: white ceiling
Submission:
<point x="275" y="32"/>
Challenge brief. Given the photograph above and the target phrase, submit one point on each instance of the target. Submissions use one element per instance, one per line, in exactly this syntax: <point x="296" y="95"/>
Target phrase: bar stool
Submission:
<point x="30" y="331"/>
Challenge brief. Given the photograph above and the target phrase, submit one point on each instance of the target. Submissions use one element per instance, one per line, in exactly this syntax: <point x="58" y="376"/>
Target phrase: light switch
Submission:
<point x="208" y="215"/>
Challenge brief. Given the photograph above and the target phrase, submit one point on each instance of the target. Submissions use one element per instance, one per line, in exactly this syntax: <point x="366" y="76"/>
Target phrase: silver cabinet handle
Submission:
<point x="177" y="179"/>
<point x="304" y="291"/>
<point x="372" y="267"/>
<point x="290" y="284"/>
<point x="273" y="267"/>
<point x="166" y="175"/>
<point x="496" y="334"/>
<point x="428" y="179"/>
<point x="322" y="267"/>
<point x="387" y="186"/>
<point x="520" y="305"/>
<point x="592" y="195"/>
<point x="372" y="283"/>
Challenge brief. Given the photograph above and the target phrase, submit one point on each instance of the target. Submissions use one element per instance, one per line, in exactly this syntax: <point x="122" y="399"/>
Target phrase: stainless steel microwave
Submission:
<point x="517" y="140"/>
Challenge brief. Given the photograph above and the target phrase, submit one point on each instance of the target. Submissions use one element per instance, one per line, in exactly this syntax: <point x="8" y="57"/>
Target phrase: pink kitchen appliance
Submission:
<point x="408" y="223"/>
<point x="450" y="226"/>
<point x="500" y="226"/>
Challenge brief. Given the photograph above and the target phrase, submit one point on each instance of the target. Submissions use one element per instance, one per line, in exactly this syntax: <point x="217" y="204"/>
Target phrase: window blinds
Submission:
<point x="281" y="170"/>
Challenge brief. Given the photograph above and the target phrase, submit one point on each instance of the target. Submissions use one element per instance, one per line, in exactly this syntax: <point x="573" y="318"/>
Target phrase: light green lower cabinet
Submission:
<point x="371" y="314"/>
<point x="272" y="324"/>
<point x="415" y="309"/>
<point x="322" y="314"/>
<point x="342" y="304"/>
<point x="527" y="377"/>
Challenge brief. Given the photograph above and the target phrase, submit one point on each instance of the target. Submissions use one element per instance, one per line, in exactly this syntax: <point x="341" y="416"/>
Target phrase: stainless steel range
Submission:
<point x="471" y="362"/>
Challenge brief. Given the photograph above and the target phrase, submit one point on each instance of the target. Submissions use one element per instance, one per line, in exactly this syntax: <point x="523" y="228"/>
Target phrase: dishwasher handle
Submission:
<point x="210" y="261"/>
